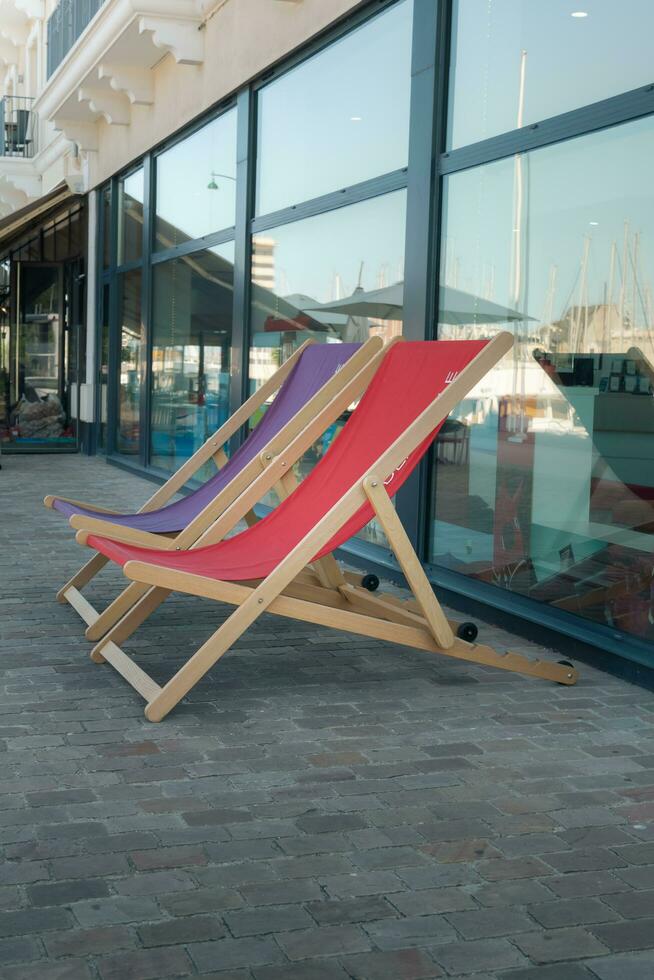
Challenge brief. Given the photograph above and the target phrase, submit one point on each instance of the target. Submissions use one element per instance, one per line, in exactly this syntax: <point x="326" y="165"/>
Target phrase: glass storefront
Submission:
<point x="545" y="476"/>
<point x="191" y="336"/>
<point x="541" y="484"/>
<point x="42" y="335"/>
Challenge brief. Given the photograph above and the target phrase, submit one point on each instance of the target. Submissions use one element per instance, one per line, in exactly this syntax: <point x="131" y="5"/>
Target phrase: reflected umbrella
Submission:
<point x="456" y="306"/>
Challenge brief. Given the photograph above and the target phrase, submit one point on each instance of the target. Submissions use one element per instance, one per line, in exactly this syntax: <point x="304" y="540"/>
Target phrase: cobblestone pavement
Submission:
<point x="322" y="806"/>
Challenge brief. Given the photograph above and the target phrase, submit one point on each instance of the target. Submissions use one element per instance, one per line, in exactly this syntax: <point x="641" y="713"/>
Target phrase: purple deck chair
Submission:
<point x="308" y="380"/>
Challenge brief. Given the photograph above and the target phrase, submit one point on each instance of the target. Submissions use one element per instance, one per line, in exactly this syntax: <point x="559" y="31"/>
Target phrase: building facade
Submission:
<point x="189" y="190"/>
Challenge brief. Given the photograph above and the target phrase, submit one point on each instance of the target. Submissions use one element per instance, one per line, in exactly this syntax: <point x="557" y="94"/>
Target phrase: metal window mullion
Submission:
<point x="428" y="56"/>
<point x="146" y="309"/>
<point x="195" y="245"/>
<point x="396" y="180"/>
<point x="113" y="360"/>
<point x="242" y="249"/>
<point x="128" y="266"/>
<point x="568" y="125"/>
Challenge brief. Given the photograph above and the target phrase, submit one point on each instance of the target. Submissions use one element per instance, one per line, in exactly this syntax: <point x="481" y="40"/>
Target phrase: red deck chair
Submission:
<point x="264" y="568"/>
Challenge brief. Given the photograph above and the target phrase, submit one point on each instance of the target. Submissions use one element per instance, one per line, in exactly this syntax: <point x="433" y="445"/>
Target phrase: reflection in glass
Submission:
<point x="338" y="118"/>
<point x="39" y="395"/>
<point x="515" y="61"/>
<point x="132" y="347"/>
<point x="192" y="334"/>
<point x="321" y="278"/>
<point x="196" y="184"/>
<point x="130" y="217"/>
<point x="544" y="475"/>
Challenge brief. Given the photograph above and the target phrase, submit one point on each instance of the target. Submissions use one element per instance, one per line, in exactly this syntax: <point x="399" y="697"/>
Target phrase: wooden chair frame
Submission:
<point x="319" y="413"/>
<point x="322" y="595"/>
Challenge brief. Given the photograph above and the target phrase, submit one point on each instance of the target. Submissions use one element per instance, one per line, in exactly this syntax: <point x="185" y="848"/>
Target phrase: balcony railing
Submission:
<point x="17" y="127"/>
<point x="65" y="24"/>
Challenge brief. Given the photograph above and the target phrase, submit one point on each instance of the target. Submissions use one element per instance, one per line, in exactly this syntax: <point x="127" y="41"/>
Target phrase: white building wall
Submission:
<point x="182" y="56"/>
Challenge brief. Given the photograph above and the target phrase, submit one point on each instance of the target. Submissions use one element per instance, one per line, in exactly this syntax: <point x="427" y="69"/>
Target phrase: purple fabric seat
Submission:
<point x="314" y="368"/>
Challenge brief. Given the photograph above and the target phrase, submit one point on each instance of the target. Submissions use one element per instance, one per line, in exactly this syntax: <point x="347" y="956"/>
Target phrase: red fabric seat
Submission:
<point x="411" y="375"/>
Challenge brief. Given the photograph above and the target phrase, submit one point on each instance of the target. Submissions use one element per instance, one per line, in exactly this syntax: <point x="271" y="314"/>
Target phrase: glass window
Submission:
<point x="517" y="61"/>
<point x="336" y="277"/>
<point x="192" y="335"/>
<point x="339" y="118"/>
<point x="196" y="184"/>
<point x="544" y="475"/>
<point x="130" y="379"/>
<point x="130" y="217"/>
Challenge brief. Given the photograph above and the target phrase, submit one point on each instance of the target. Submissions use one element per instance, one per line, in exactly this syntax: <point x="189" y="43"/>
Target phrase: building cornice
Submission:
<point x="115" y="55"/>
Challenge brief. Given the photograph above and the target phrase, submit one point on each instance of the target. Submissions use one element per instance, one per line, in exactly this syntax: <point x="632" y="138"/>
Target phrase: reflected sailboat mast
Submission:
<point x="623" y="287"/>
<point x="516" y="286"/>
<point x="606" y="340"/>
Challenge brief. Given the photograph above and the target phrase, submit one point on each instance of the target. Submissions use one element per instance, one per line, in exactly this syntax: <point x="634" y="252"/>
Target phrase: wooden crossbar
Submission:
<point x="132" y="673"/>
<point x="82" y="606"/>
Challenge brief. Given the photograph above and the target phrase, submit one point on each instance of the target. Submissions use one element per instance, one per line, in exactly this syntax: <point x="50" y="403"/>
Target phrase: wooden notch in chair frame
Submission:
<point x="288" y="589"/>
<point x="322" y="409"/>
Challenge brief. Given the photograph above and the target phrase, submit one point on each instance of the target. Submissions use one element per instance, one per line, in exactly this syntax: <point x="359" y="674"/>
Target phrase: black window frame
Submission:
<point x="429" y="162"/>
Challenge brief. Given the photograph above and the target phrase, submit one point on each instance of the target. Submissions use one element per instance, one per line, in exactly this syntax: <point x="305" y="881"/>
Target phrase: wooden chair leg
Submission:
<point x="116" y="610"/>
<point x="409" y="562"/>
<point x="84" y="575"/>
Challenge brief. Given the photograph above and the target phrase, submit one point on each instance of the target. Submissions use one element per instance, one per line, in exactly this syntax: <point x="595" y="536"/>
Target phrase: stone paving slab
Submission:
<point x="321" y="807"/>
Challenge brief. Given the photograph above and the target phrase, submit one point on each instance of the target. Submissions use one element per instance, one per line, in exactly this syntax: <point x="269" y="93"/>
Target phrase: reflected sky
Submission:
<point x="187" y="206"/>
<point x="570" y="61"/>
<point x="339" y="118"/>
<point x="328" y="256"/>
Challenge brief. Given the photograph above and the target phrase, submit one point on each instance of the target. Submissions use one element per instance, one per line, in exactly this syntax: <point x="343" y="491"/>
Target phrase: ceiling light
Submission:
<point x="356" y="118"/>
<point x="593" y="222"/>
<point x="579" y="13"/>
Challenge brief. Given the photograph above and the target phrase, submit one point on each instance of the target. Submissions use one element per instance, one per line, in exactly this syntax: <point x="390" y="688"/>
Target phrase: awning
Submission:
<point x="12" y="224"/>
